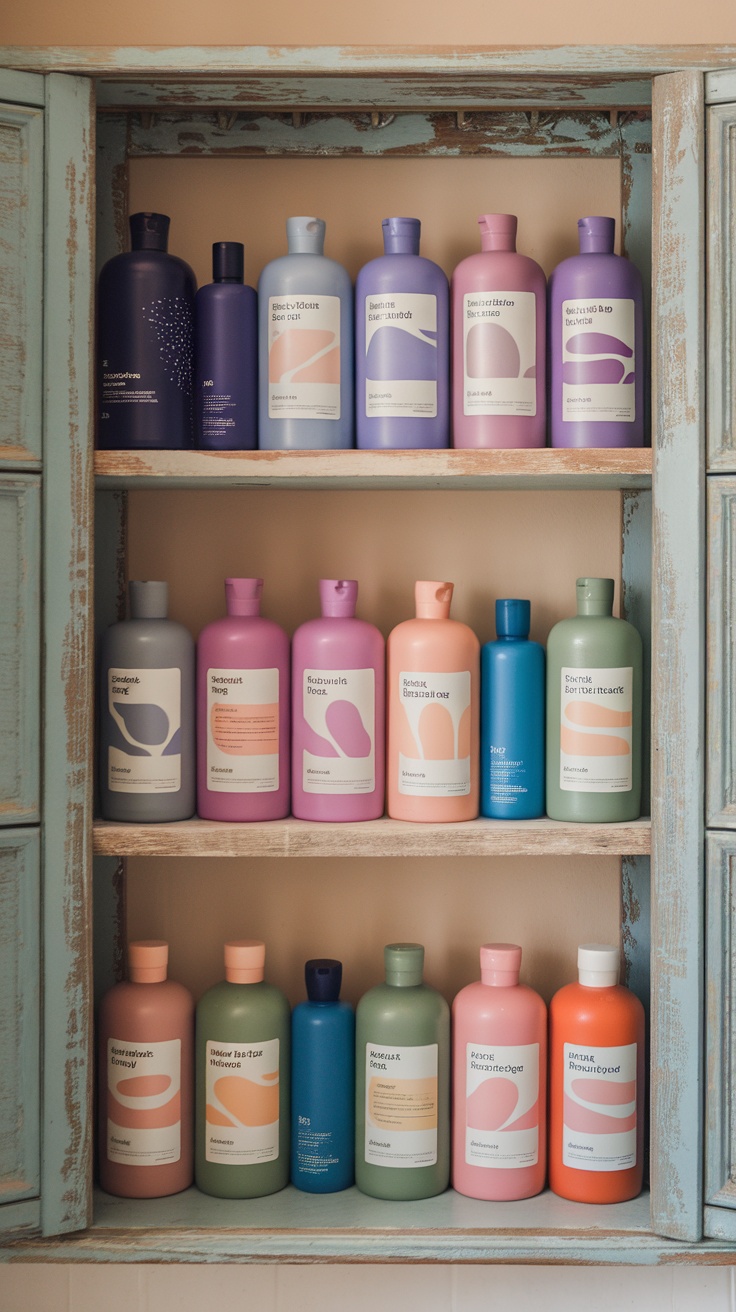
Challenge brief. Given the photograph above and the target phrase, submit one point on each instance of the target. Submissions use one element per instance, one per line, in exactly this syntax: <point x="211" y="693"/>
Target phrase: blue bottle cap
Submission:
<point x="323" y="977"/>
<point x="513" y="618"/>
<point x="228" y="261"/>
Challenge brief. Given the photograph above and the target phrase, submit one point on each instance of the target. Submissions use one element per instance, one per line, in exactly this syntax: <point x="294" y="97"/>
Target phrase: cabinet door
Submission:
<point x="720" y="1156"/>
<point x="20" y="1054"/>
<point x="720" y="95"/>
<point x="20" y="727"/>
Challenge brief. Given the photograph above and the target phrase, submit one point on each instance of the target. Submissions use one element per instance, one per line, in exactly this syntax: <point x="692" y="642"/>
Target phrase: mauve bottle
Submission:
<point x="226" y="355"/>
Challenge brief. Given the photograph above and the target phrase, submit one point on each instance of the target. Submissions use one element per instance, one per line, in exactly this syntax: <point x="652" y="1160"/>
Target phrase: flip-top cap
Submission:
<point x="500" y="963"/>
<point x="598" y="965"/>
<point x="433" y="599"/>
<point x="596" y="234"/>
<point x="338" y="597"/>
<point x="594" y="596"/>
<point x="245" y="961"/>
<point x="305" y="235"/>
<point x="243" y="596"/>
<point x="404" y="963"/>
<point x="148" y="960"/>
<point x="149" y="231"/>
<point x="323" y="977"/>
<point x="401" y="236"/>
<point x="148" y="599"/>
<point x="498" y="232"/>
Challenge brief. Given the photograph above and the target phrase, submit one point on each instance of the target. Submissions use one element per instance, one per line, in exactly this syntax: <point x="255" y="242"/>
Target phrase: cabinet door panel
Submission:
<point x="720" y="964"/>
<point x="19" y="1016"/>
<point x="721" y="654"/>
<point x="721" y="303"/>
<point x="19" y="648"/>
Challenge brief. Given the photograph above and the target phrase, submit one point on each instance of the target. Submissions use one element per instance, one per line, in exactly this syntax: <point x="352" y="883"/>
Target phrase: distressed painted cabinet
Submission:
<point x="647" y="110"/>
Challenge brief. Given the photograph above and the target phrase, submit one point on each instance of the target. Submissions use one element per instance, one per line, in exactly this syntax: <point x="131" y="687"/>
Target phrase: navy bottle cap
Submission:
<point x="228" y="261"/>
<point x="323" y="977"/>
<point x="149" y="232"/>
<point x="513" y="618"/>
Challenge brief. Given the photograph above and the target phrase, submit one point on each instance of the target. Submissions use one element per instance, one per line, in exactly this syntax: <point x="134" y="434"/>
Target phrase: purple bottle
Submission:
<point x="338" y="689"/>
<point x="402" y="346"/>
<point x="243" y="712"/>
<point x="226" y="355"/>
<point x="597" y="348"/>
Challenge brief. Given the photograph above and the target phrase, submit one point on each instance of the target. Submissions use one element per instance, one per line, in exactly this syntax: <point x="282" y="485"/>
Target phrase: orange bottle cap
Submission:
<point x="245" y="961"/>
<point x="432" y="600"/>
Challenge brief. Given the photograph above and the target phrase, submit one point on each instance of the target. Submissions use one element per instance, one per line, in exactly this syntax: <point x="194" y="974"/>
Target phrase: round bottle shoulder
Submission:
<point x="602" y="273"/>
<point x="132" y="263"/>
<point x="503" y="269"/>
<point x="579" y="629"/>
<point x="296" y="272"/>
<point x="389" y="272"/>
<point x="594" y="1003"/>
<point x="421" y="630"/>
<point x="234" y="629"/>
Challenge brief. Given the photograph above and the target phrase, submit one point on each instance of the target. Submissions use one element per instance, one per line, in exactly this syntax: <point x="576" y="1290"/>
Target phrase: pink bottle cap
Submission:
<point x="338" y="598"/>
<point x="500" y="963"/>
<point x="433" y="600"/>
<point x="243" y="596"/>
<point x="245" y="961"/>
<point x="498" y="232"/>
<point x="147" y="961"/>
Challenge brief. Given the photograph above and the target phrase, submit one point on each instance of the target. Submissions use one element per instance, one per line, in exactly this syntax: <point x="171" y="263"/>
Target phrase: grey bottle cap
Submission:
<point x="148" y="600"/>
<point x="404" y="963"/>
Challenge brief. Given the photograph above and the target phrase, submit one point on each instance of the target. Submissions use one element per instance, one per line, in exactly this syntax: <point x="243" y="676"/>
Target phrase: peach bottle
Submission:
<point x="146" y="1079"/>
<point x="596" y="1128"/>
<point x="433" y="713"/>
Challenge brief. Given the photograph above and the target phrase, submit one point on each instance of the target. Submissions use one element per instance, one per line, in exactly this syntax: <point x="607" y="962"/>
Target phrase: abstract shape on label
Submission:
<point x="145" y="722"/>
<point x="347" y="728"/>
<point x="394" y="353"/>
<point x="491" y="352"/>
<point x="597" y="344"/>
<point x="307" y="350"/>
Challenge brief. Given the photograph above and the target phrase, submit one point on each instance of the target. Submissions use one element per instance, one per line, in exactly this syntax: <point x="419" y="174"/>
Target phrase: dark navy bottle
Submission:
<point x="145" y="318"/>
<point x="323" y="1084"/>
<point x="226" y="355"/>
<point x="512" y="718"/>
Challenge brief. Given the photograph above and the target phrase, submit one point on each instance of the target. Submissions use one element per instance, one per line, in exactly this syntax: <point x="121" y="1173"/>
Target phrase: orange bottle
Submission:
<point x="596" y="1131"/>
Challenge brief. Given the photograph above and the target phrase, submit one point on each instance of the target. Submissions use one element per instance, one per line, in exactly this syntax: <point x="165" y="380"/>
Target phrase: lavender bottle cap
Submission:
<point x="432" y="600"/>
<point x="500" y="964"/>
<point x="596" y="235"/>
<point x="338" y="598"/>
<point x="149" y="231"/>
<point x="401" y="236"/>
<point x="243" y="596"/>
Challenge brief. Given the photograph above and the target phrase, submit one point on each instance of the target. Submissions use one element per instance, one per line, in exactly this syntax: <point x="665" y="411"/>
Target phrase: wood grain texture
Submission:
<point x="20" y="990"/>
<point x="720" y="699"/>
<point x="20" y="638"/>
<point x="720" y="86"/>
<point x="721" y="305"/>
<point x="720" y="1095"/>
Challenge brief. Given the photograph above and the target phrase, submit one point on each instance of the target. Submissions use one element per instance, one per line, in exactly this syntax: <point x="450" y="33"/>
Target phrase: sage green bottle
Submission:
<point x="594" y="690"/>
<point x="402" y="1082"/>
<point x="243" y="1078"/>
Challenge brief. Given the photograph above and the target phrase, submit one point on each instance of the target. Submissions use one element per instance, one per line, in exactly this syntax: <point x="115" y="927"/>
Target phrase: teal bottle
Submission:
<point x="322" y="1083"/>
<point x="512" y="717"/>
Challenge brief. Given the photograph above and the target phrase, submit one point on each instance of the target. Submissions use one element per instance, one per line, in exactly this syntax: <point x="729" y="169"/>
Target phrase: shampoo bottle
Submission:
<point x="338" y="697"/>
<point x="147" y="766"/>
<point x="402" y="345"/>
<point x="498" y="343"/>
<point x="499" y="1082"/>
<point x="146" y="1079"/>
<point x="243" y="712"/>
<point x="596" y="1126"/>
<point x="433" y="682"/>
<point x="226" y="355"/>
<point x="243" y="1078"/>
<point x="512" y="718"/>
<point x="305" y="331"/>
<point x="323" y="1084"/>
<point x="402" y="1083"/>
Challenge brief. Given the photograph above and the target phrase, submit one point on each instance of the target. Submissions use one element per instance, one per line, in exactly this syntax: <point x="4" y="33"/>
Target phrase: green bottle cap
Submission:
<point x="404" y="963"/>
<point x="595" y="596"/>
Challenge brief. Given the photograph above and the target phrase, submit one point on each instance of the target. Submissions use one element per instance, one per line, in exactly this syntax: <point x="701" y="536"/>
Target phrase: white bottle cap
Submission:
<point x="598" y="965"/>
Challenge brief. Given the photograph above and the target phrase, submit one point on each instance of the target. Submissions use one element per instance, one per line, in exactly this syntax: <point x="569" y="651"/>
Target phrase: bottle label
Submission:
<point x="218" y="410"/>
<point x="599" y="1121"/>
<point x="596" y="712"/>
<point x="401" y="1105"/>
<point x="315" y="1148"/>
<point x="502" y="1105"/>
<point x="242" y="1096"/>
<point x="500" y="353"/>
<point x="434" y="734"/>
<point x="304" y="357"/>
<point x="339" y="722"/>
<point x="144" y="727"/>
<point x="170" y="334"/>
<point x="401" y="356"/>
<point x="598" y="361"/>
<point x="243" y="731"/>
<point x="143" y="1102"/>
<point x="507" y="777"/>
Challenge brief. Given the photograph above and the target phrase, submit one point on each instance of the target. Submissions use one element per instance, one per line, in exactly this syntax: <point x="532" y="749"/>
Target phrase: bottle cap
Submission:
<point x="500" y="963"/>
<point x="305" y="235"/>
<point x="401" y="236"/>
<point x="147" y="961"/>
<point x="243" y="596"/>
<point x="245" y="961"/>
<point x="498" y="232"/>
<point x="228" y="261"/>
<point x="323" y="978"/>
<point x="432" y="600"/>
<point x="598" y="965"/>
<point x="594" y="596"/>
<point x="404" y="963"/>
<point x="148" y="599"/>
<point x="338" y="598"/>
<point x="596" y="234"/>
<point x="149" y="232"/>
<point x="513" y="618"/>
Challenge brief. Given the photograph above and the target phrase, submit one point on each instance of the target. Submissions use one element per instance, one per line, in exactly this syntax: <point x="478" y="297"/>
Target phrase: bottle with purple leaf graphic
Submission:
<point x="338" y="700"/>
<point x="597" y="347"/>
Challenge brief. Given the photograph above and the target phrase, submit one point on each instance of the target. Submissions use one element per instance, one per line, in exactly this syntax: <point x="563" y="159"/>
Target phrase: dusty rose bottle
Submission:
<point x="146" y="1079"/>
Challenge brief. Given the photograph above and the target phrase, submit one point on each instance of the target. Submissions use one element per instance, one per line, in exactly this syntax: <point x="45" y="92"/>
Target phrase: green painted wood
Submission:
<point x="20" y="636"/>
<point x="721" y="307"/>
<point x="112" y="187"/>
<point x="20" y="1006"/>
<point x="720" y="1224"/>
<point x="636" y="606"/>
<point x="721" y="703"/>
<point x="22" y="88"/>
<point x="720" y="963"/>
<point x="19" y="1219"/>
<point x="720" y="87"/>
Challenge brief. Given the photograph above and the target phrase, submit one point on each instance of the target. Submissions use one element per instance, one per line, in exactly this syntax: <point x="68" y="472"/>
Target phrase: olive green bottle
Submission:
<point x="243" y="1077"/>
<point x="594" y="683"/>
<point x="402" y="1082"/>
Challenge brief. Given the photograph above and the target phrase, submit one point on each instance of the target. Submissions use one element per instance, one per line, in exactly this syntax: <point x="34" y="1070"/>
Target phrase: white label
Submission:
<point x="242" y="1096"/>
<point x="339" y="721"/>
<point x="595" y="729"/>
<point x="401" y="355"/>
<point x="144" y="753"/>
<point x="598" y="361"/>
<point x="401" y="1105"/>
<point x="437" y="709"/>
<point x="243" y="731"/>
<point x="599" y="1121"/>
<point x="500" y="353"/>
<point x="304" y="357"/>
<point x="502" y="1105"/>
<point x="143" y="1102"/>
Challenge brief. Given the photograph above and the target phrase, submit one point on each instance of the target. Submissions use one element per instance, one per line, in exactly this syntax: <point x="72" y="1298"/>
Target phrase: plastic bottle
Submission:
<point x="243" y="1078"/>
<point x="596" y="344"/>
<point x="243" y="711"/>
<point x="433" y="692"/>
<point x="499" y="1082"/>
<point x="402" y="346"/>
<point x="498" y="343"/>
<point x="305" y="361"/>
<point x="226" y="355"/>
<point x="594" y="690"/>
<point x="402" y="1082"/>
<point x="145" y="314"/>
<point x="596" y="1126"/>
<point x="338" y="686"/>
<point x="146" y="1079"/>
<point x="323" y="1084"/>
<point x="147" y="748"/>
<point x="512" y="718"/>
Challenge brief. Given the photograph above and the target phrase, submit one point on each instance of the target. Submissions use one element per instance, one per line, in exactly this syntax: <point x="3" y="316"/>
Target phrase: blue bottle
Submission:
<point x="323" y="1084"/>
<point x="512" y="718"/>
<point x="226" y="355"/>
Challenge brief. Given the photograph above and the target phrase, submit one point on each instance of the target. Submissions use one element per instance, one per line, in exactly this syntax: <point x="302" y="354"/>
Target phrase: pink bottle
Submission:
<point x="499" y="1082"/>
<point x="498" y="343"/>
<point x="338" y="689"/>
<point x="243" y="712"/>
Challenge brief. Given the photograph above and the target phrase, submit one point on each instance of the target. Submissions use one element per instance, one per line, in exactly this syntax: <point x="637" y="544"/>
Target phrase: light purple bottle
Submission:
<point x="338" y="682"/>
<point x="402" y="346"/>
<point x="597" y="347"/>
<point x="243" y="712"/>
